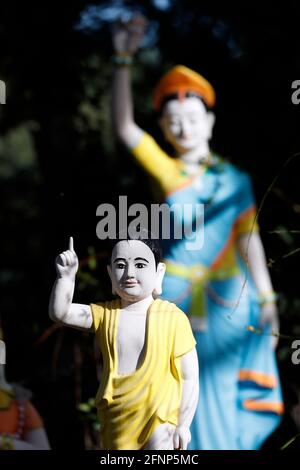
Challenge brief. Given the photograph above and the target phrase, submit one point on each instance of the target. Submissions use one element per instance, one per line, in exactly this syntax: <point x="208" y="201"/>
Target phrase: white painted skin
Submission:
<point x="137" y="280"/>
<point x="187" y="126"/>
<point x="133" y="271"/>
<point x="134" y="278"/>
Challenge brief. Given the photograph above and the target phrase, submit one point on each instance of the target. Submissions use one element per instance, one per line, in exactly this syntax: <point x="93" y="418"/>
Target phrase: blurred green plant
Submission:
<point x="91" y="423"/>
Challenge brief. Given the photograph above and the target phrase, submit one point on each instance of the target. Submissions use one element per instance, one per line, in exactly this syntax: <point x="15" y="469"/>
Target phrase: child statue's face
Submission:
<point x="133" y="271"/>
<point x="186" y="124"/>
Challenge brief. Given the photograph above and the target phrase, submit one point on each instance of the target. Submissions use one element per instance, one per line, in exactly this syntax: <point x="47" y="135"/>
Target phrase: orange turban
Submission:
<point x="181" y="79"/>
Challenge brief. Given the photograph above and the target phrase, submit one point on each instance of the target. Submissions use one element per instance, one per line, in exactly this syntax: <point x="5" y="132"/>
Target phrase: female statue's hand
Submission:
<point x="269" y="314"/>
<point x="127" y="36"/>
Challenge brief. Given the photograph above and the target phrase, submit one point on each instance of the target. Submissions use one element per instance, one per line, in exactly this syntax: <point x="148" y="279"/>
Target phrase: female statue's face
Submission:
<point x="186" y="124"/>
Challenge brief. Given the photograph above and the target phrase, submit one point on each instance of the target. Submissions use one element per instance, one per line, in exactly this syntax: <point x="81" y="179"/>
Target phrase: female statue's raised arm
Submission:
<point x="126" y="39"/>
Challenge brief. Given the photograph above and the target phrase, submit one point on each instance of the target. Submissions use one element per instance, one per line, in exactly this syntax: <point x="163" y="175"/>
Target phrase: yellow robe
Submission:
<point x="131" y="406"/>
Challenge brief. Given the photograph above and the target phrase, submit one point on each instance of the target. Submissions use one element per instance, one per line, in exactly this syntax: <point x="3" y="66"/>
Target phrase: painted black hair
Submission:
<point x="144" y="236"/>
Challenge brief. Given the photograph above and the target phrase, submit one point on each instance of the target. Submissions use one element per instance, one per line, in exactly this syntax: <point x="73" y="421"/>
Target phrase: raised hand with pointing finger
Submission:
<point x="66" y="262"/>
<point x="61" y="307"/>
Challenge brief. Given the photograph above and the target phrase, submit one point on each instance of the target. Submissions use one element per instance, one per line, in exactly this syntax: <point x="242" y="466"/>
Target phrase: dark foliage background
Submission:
<point x="59" y="160"/>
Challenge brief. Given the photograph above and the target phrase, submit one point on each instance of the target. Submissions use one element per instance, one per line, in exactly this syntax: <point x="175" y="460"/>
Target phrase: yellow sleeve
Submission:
<point x="246" y="222"/>
<point x="97" y="313"/>
<point x="184" y="340"/>
<point x="157" y="163"/>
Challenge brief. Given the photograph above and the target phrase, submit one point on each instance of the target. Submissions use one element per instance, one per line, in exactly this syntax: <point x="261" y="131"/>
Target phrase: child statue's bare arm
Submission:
<point x="190" y="394"/>
<point x="61" y="308"/>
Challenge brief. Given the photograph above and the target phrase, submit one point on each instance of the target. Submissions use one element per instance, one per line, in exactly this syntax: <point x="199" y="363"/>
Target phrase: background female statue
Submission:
<point x="224" y="286"/>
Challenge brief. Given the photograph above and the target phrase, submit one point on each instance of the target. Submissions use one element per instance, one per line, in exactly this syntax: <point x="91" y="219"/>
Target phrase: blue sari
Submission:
<point x="240" y="401"/>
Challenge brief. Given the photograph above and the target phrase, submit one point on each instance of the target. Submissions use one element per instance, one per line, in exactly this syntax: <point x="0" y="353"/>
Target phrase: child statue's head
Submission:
<point x="135" y="268"/>
<point x="184" y="99"/>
